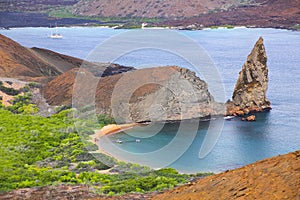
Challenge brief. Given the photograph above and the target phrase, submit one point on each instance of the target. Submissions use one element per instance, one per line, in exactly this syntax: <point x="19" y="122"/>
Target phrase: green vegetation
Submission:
<point x="130" y="26"/>
<point x="39" y="151"/>
<point x="223" y="26"/>
<point x="8" y="90"/>
<point x="297" y="27"/>
<point x="228" y="26"/>
<point x="21" y="104"/>
<point x="111" y="21"/>
<point x="34" y="85"/>
<point x="104" y="120"/>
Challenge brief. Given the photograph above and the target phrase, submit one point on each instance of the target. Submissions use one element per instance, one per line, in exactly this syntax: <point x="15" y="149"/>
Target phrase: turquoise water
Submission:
<point x="240" y="143"/>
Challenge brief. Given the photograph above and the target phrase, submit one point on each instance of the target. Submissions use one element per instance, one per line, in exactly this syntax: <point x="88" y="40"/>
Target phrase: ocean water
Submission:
<point x="239" y="143"/>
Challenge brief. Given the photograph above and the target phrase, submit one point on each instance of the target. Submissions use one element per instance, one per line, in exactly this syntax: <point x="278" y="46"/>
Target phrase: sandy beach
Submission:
<point x="109" y="130"/>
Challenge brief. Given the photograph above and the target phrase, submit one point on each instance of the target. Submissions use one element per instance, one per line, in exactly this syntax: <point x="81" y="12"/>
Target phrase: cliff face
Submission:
<point x="158" y="94"/>
<point x="252" y="84"/>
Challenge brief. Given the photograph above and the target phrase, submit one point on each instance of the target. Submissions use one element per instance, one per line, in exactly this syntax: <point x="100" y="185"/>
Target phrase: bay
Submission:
<point x="240" y="143"/>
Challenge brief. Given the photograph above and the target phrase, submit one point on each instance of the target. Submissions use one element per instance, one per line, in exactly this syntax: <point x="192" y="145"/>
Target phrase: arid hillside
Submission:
<point x="189" y="14"/>
<point x="36" y="64"/>
<point x="33" y="5"/>
<point x="153" y="8"/>
<point x="265" y="13"/>
<point x="273" y="178"/>
<point x="24" y="63"/>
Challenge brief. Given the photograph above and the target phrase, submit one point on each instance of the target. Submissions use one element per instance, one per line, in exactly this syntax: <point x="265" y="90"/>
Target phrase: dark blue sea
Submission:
<point x="239" y="143"/>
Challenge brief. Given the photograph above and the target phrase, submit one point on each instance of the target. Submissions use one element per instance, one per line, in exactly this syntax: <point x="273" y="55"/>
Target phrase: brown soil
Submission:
<point x="272" y="178"/>
<point x="84" y="85"/>
<point x="23" y="63"/>
<point x="10" y="83"/>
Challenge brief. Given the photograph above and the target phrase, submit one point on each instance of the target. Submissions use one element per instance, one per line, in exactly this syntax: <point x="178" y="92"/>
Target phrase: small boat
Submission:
<point x="228" y="117"/>
<point x="119" y="141"/>
<point x="144" y="25"/>
<point x="55" y="35"/>
<point x="137" y="140"/>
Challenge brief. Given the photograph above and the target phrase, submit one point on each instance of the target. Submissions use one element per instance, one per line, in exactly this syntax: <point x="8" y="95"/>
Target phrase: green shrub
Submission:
<point x="29" y="109"/>
<point x="104" y="120"/>
<point x="39" y="151"/>
<point x="9" y="91"/>
<point x="34" y="85"/>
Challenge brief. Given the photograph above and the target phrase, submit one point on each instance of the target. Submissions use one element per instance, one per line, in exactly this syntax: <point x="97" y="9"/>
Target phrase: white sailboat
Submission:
<point x="55" y="35"/>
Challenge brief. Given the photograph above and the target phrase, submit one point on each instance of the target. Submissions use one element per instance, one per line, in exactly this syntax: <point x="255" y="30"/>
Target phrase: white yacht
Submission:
<point x="55" y="35"/>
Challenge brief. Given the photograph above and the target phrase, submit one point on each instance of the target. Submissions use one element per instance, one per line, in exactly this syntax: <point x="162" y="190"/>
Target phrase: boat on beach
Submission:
<point x="119" y="141"/>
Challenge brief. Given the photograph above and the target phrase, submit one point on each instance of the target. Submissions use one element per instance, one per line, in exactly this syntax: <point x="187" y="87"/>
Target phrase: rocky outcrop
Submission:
<point x="152" y="94"/>
<point x="161" y="94"/>
<point x="250" y="118"/>
<point x="272" y="178"/>
<point x="251" y="87"/>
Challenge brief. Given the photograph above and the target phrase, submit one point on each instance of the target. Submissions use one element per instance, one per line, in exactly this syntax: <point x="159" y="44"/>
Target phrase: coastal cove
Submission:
<point x="240" y="143"/>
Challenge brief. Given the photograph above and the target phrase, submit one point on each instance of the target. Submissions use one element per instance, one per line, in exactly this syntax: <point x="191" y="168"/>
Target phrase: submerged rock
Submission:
<point x="251" y="87"/>
<point x="249" y="118"/>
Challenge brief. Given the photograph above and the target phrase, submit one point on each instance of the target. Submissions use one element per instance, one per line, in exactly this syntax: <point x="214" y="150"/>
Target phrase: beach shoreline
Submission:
<point x="109" y="130"/>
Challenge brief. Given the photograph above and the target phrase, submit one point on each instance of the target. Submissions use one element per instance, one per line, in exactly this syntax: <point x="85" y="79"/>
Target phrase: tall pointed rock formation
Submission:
<point x="252" y="84"/>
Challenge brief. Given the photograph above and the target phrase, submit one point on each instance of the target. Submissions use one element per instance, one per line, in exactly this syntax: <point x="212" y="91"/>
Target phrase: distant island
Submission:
<point x="189" y="15"/>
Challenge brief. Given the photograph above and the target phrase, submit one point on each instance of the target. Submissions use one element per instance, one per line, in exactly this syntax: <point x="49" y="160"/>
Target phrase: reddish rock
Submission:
<point x="251" y="87"/>
<point x="251" y="118"/>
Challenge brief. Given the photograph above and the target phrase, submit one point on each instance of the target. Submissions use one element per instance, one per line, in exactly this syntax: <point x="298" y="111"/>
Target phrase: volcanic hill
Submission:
<point x="272" y="178"/>
<point x="24" y="63"/>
